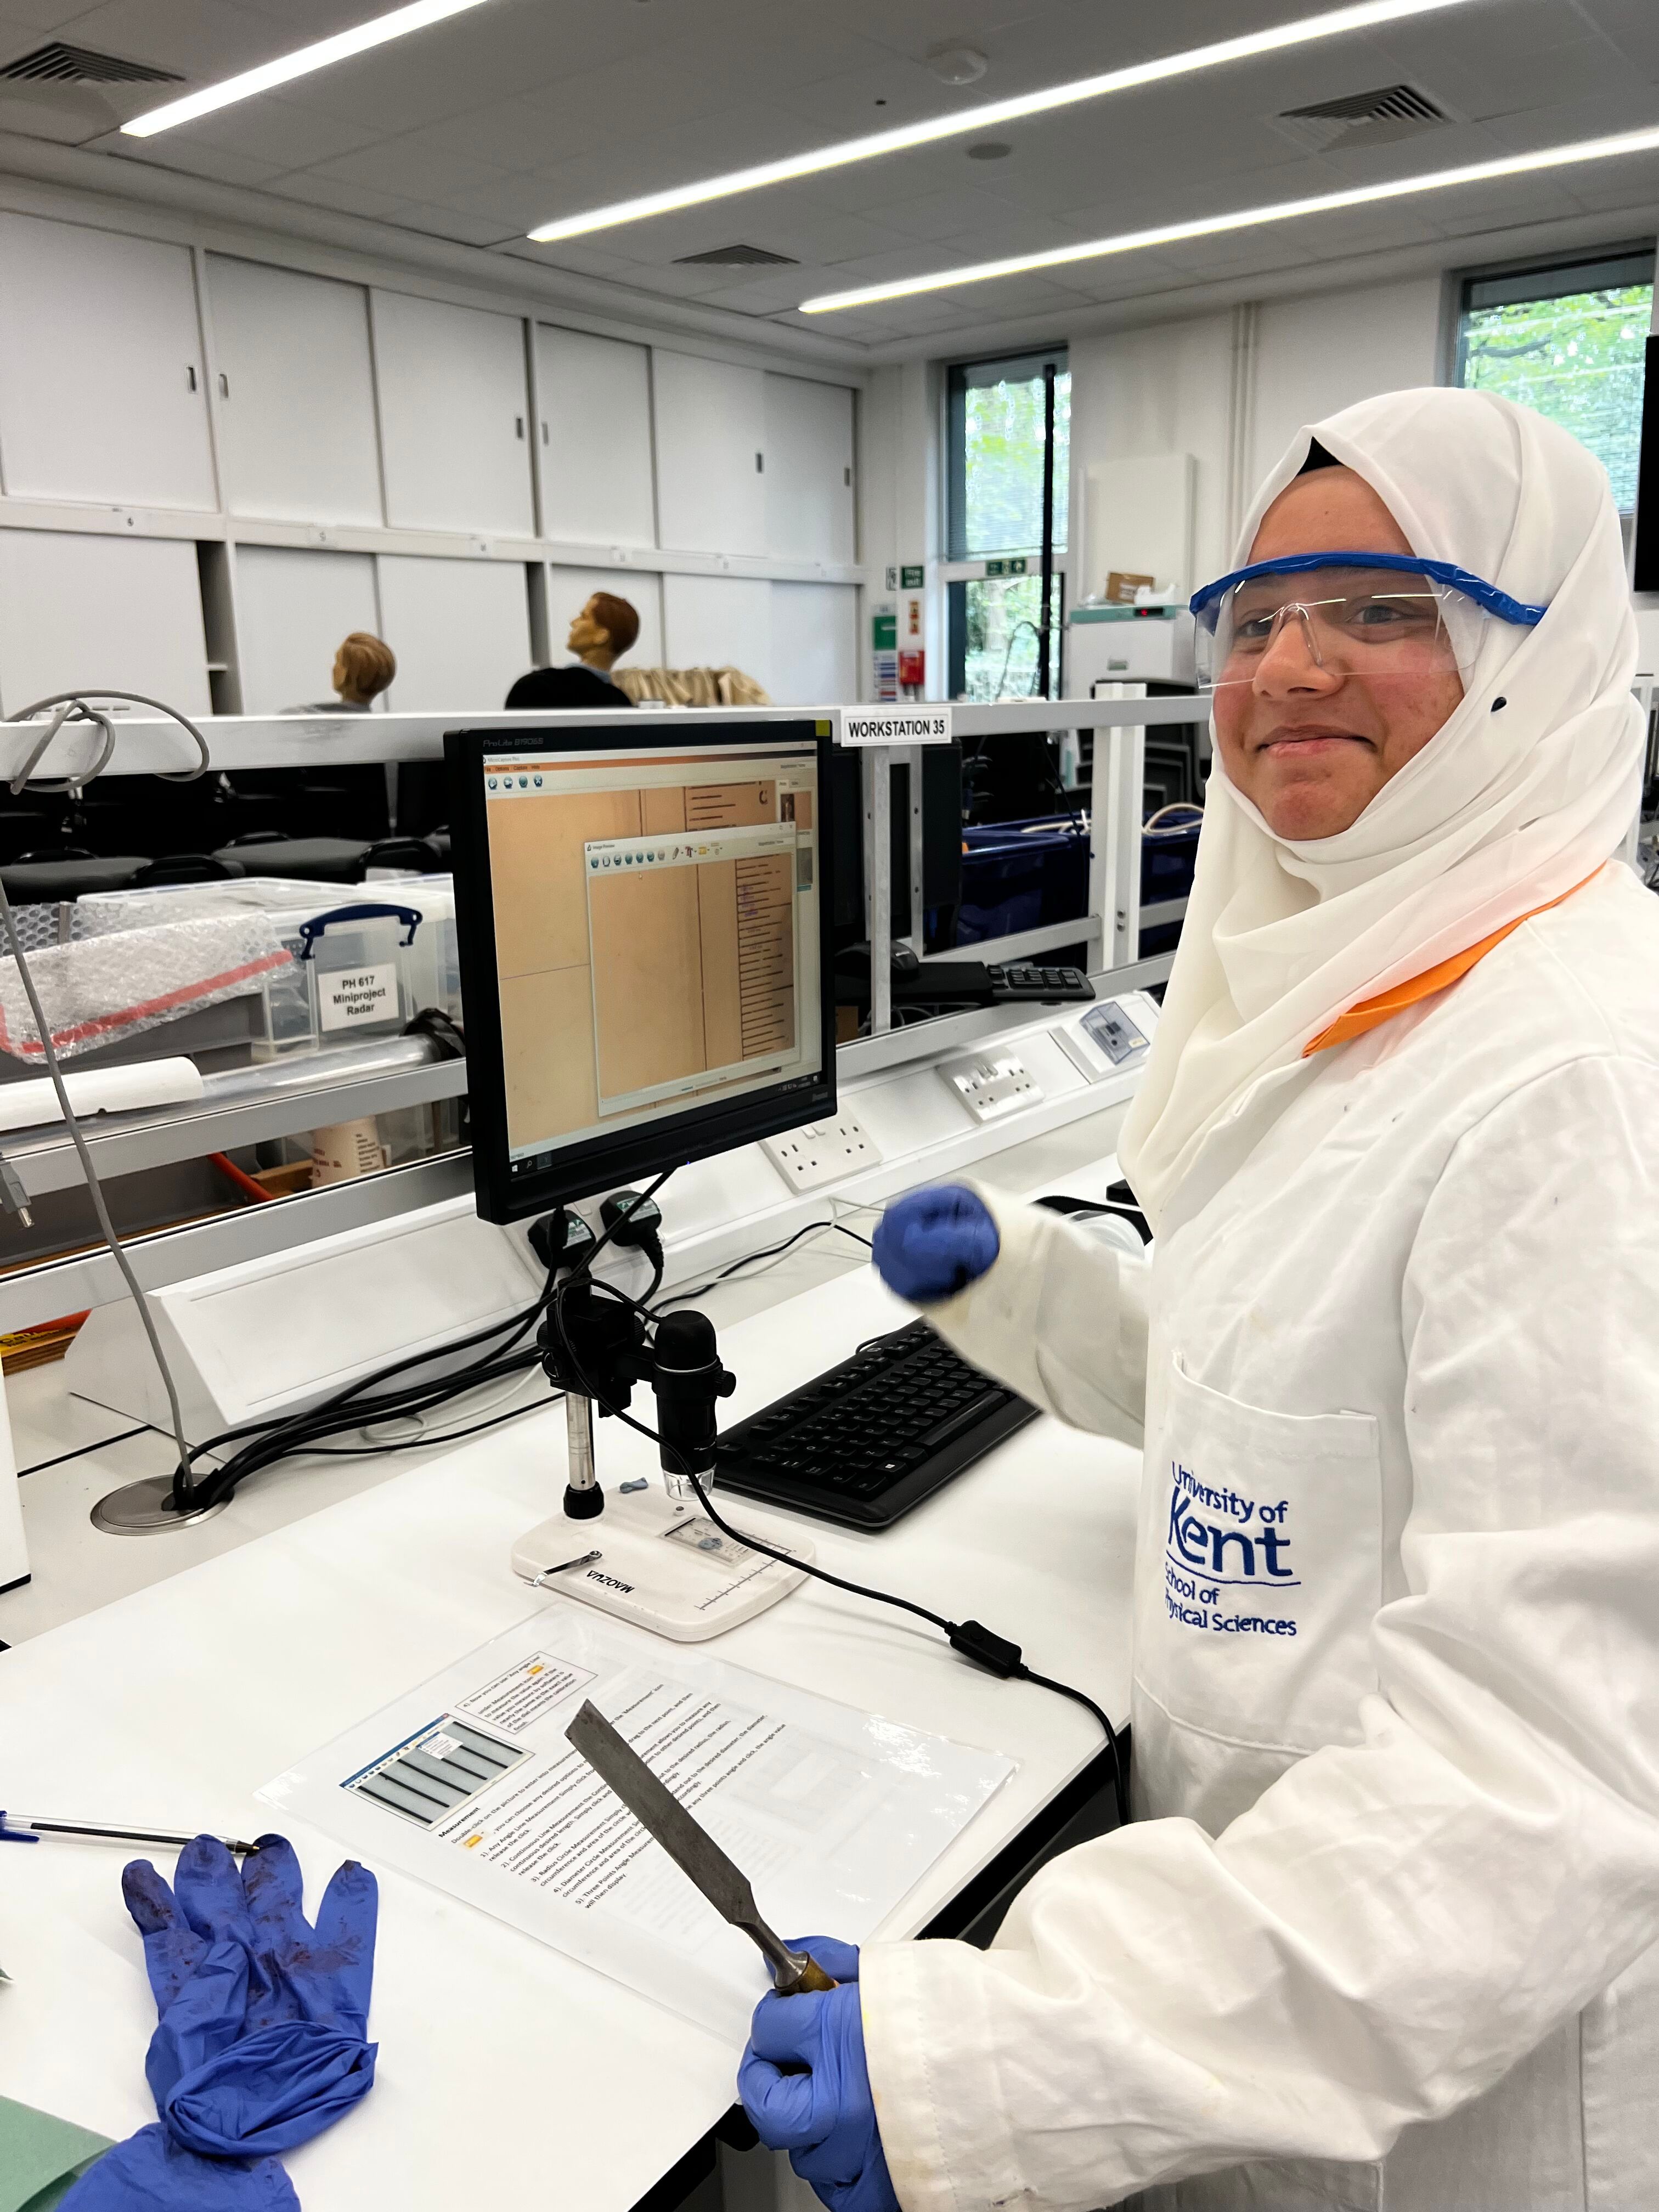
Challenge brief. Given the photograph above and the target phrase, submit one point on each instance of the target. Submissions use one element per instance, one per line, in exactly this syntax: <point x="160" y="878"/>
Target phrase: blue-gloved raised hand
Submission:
<point x="820" y="2109"/>
<point x="935" y="1243"/>
<point x="260" y="2043"/>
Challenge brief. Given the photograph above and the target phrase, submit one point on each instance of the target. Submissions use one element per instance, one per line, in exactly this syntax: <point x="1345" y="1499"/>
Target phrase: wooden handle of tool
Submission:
<point x="814" y="1979"/>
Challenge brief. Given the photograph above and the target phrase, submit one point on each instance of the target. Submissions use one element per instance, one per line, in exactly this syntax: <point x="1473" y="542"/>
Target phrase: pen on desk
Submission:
<point x="29" y="1827"/>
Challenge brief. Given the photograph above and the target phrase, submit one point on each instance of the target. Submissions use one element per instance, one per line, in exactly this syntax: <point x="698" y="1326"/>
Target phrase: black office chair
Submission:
<point x="42" y="878"/>
<point x="411" y="855"/>
<point x="310" y="860"/>
<point x="187" y="868"/>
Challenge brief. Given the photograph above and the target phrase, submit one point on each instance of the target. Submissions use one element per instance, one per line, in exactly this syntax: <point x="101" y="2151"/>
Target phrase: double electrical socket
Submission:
<point x="822" y="1152"/>
<point x="993" y="1083"/>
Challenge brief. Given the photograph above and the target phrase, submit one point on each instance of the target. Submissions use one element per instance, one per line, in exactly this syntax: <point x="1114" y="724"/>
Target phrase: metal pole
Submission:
<point x="879" y="877"/>
<point x="1045" y="685"/>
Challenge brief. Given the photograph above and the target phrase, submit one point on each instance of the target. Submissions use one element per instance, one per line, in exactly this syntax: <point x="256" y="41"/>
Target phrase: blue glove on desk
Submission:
<point x="260" y="2042"/>
<point x="935" y="1243"/>
<point x="820" y="2110"/>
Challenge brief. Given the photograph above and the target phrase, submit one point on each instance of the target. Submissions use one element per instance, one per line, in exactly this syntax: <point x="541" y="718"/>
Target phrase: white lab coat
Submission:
<point x="1377" y="1938"/>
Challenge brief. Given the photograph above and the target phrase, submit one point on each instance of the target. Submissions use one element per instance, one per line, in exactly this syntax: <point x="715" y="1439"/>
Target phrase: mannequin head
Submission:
<point x="602" y="631"/>
<point x="363" y="667"/>
<point x="1311" y="746"/>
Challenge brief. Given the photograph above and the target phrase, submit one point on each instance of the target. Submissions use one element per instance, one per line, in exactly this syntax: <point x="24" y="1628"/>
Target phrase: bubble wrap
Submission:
<point x="105" y="988"/>
<point x="98" y="913"/>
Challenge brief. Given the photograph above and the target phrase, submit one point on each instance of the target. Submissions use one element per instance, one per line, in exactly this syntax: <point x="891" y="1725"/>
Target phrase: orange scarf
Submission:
<point x="1369" y="1013"/>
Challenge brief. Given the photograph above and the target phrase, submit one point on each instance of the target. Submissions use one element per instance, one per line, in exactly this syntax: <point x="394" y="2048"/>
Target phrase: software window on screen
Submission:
<point x="656" y="932"/>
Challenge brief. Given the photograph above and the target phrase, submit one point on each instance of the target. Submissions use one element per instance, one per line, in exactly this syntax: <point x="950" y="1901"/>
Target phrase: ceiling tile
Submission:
<point x="204" y="39"/>
<point x="40" y="15"/>
<point x="947" y="214"/>
<point x="275" y="130"/>
<point x="534" y="133"/>
<point x="411" y="167"/>
<point x="1631" y="25"/>
<point x="225" y="168"/>
<point x="446" y="222"/>
<point x="334" y="192"/>
<point x="777" y="291"/>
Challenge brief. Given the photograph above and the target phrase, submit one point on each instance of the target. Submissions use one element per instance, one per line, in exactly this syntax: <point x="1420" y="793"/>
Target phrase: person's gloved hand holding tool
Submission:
<point x="260" y="2043"/>
<point x="806" y="2089"/>
<point x="933" y="1244"/>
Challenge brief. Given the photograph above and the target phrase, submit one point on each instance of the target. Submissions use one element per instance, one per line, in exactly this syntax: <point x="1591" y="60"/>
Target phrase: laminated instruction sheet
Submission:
<point x="467" y="1781"/>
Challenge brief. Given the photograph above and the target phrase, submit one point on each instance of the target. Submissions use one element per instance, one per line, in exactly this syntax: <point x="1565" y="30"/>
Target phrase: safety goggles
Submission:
<point x="1376" y="617"/>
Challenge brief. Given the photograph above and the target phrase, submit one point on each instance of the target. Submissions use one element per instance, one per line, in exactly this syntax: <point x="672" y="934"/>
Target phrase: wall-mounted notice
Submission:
<point x="894" y="725"/>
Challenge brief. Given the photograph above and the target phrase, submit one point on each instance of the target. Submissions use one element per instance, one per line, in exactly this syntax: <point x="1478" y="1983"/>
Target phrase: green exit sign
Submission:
<point x="1013" y="567"/>
<point x="911" y="579"/>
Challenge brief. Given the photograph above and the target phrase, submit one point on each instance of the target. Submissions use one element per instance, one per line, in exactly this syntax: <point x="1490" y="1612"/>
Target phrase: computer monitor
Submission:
<point x="644" y="965"/>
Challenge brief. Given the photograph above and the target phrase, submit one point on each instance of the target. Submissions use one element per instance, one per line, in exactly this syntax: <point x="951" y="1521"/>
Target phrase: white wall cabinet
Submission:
<point x="293" y="607"/>
<point x="460" y="630"/>
<point x="809" y="471"/>
<point x="718" y="621"/>
<point x="711" y="448"/>
<point x="102" y="384"/>
<point x="454" y="416"/>
<point x="594" y="397"/>
<point x="296" y="394"/>
<point x="76" y="609"/>
<point x="569" y="589"/>
<point x="815" y="645"/>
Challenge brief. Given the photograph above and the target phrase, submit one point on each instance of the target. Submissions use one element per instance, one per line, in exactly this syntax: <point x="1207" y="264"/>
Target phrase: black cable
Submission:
<point x="751" y="1259"/>
<point x="971" y="1638"/>
<point x="270" y="1441"/>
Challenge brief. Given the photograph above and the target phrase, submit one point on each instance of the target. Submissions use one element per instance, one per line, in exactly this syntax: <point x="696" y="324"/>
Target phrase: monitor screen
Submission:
<point x="643" y="966"/>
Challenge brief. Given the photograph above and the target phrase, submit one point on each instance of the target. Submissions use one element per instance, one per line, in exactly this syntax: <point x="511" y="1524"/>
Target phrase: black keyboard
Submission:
<point x="1028" y="979"/>
<point x="869" y="1439"/>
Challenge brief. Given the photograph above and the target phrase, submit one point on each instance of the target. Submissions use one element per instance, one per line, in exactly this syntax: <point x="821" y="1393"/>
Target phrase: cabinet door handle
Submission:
<point x="760" y="464"/>
<point x="190" y="378"/>
<point x="224" y="386"/>
<point x="544" y="432"/>
<point x="518" y="424"/>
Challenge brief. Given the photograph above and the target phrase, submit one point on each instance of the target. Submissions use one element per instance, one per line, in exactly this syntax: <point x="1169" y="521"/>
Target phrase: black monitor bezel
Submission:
<point x="605" y="1164"/>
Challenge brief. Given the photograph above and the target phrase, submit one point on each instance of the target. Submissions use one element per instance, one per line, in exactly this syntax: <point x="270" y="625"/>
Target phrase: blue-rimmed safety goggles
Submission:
<point x="1373" y="617"/>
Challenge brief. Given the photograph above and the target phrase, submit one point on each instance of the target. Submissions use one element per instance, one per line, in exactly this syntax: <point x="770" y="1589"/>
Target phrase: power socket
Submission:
<point x="993" y="1083"/>
<point x="822" y="1152"/>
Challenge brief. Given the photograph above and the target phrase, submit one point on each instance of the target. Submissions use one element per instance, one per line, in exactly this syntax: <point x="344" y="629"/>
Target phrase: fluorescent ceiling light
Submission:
<point x="1169" y="233"/>
<point x="322" y="55"/>
<point x="1365" y="16"/>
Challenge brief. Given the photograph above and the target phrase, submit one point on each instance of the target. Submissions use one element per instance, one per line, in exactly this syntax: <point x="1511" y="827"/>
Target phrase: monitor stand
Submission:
<point x="650" y="1554"/>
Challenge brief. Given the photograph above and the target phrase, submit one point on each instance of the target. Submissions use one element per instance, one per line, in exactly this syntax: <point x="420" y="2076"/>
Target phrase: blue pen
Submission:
<point x="29" y="1827"/>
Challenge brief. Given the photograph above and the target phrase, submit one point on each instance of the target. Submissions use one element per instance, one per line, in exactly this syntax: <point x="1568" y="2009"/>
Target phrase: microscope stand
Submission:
<point x="661" y="1564"/>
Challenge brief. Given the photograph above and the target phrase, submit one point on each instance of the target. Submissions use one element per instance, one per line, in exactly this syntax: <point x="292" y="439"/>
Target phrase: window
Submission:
<point x="1570" y="341"/>
<point x="998" y="413"/>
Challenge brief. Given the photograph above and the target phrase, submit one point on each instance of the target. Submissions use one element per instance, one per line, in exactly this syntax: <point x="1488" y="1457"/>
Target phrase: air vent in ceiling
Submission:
<point x="57" y="63"/>
<point x="736" y="257"/>
<point x="1371" y="118"/>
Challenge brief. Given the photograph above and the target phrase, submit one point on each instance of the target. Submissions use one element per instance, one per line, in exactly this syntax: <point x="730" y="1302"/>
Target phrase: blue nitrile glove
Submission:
<point x="821" y="2110"/>
<point x="260" y="2041"/>
<point x="935" y="1243"/>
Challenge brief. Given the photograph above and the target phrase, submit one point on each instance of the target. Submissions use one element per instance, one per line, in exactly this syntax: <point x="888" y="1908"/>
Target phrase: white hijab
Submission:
<point x="1499" y="813"/>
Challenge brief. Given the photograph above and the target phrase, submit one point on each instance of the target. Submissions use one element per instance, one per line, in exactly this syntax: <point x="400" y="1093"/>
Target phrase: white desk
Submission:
<point x="508" y="2071"/>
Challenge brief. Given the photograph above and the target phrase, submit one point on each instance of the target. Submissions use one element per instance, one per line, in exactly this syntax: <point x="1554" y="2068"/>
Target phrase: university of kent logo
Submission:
<point x="1219" y="1546"/>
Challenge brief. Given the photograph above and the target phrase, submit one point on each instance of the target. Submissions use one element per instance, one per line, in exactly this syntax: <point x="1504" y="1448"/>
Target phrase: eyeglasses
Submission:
<point x="1373" y="617"/>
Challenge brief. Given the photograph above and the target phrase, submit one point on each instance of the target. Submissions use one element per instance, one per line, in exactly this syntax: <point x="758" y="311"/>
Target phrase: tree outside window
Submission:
<point x="996" y="457"/>
<point x="1570" y="341"/>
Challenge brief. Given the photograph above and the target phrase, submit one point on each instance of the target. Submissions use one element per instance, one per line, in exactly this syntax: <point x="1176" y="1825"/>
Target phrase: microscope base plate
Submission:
<point x="663" y="1565"/>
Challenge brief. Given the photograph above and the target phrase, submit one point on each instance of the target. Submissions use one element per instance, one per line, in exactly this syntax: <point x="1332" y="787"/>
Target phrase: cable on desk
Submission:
<point x="770" y="1252"/>
<point x="971" y="1638"/>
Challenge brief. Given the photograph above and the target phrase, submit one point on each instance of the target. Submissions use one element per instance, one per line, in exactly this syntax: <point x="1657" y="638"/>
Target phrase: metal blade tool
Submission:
<point x="696" y="1853"/>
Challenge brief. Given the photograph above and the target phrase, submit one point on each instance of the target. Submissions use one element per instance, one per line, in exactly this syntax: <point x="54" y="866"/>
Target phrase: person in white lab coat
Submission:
<point x="1381" y="1934"/>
